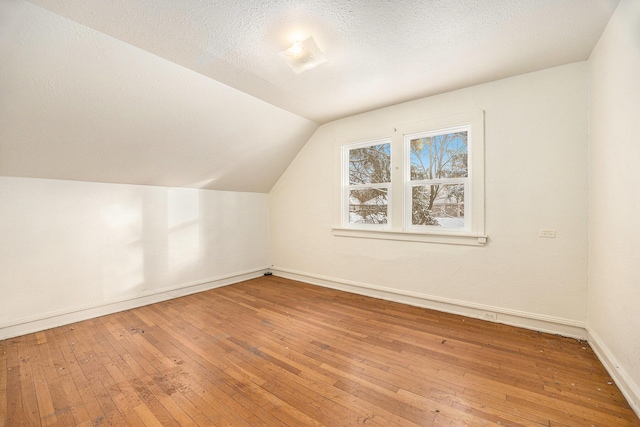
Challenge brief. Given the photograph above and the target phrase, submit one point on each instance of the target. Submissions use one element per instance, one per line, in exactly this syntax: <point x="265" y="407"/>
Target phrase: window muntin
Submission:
<point x="459" y="202"/>
<point x="437" y="179"/>
<point x="367" y="186"/>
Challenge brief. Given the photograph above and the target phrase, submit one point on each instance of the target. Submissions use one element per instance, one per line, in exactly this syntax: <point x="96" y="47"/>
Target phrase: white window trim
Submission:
<point x="397" y="228"/>
<point x="346" y="187"/>
<point x="409" y="236"/>
<point x="408" y="183"/>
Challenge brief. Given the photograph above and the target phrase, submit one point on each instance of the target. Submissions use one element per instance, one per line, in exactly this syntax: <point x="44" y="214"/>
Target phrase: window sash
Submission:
<point x="347" y="187"/>
<point x="409" y="184"/>
<point x="399" y="190"/>
<point x="408" y="206"/>
<point x="347" y="205"/>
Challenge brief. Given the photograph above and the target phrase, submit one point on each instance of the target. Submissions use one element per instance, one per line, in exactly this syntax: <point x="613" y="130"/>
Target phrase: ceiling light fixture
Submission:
<point x="303" y="55"/>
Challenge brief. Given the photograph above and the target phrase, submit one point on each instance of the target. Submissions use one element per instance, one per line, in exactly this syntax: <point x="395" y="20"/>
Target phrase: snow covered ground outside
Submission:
<point x="447" y="222"/>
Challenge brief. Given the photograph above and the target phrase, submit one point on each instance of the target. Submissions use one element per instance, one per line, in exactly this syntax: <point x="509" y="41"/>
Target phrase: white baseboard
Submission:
<point x="625" y="383"/>
<point x="537" y="322"/>
<point x="77" y="314"/>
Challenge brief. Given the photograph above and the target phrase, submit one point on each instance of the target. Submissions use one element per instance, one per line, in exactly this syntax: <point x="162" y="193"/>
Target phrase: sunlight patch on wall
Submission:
<point x="124" y="270"/>
<point x="183" y="226"/>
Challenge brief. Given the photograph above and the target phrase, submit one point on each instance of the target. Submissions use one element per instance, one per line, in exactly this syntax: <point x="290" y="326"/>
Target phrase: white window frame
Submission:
<point x="347" y="186"/>
<point x="409" y="184"/>
<point x="397" y="227"/>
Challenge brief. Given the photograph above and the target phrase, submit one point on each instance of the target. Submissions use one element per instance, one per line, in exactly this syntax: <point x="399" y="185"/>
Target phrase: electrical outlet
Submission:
<point x="488" y="315"/>
<point x="550" y="234"/>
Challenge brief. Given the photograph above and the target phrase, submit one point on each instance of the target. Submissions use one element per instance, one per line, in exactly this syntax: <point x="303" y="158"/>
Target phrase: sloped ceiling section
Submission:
<point x="77" y="104"/>
<point x="192" y="93"/>
<point x="380" y="52"/>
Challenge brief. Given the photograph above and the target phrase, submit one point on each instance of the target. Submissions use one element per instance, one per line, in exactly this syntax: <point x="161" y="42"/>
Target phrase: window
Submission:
<point x="367" y="169"/>
<point x="437" y="179"/>
<point x="421" y="182"/>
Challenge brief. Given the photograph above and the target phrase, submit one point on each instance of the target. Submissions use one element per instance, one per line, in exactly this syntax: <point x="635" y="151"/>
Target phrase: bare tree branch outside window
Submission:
<point x="437" y="179"/>
<point x="434" y="160"/>
<point x="369" y="165"/>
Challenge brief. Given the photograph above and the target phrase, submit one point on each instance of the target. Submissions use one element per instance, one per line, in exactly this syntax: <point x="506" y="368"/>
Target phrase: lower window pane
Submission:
<point x="439" y="205"/>
<point x="368" y="206"/>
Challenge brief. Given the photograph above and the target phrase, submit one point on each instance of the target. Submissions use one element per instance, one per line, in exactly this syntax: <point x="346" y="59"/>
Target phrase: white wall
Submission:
<point x="614" y="181"/>
<point x="536" y="177"/>
<point x="71" y="250"/>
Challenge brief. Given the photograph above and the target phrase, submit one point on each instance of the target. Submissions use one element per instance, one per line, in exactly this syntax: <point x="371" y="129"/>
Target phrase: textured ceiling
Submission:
<point x="380" y="52"/>
<point x="192" y="93"/>
<point x="77" y="104"/>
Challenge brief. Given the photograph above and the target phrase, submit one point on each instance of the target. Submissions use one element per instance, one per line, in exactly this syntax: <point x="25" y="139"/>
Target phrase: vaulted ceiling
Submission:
<point x="193" y="93"/>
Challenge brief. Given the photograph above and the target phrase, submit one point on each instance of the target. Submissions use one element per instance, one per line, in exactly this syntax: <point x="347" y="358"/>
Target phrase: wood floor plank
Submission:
<point x="200" y="383"/>
<point x="316" y="379"/>
<point x="207" y="370"/>
<point x="131" y="364"/>
<point x="147" y="416"/>
<point x="71" y="381"/>
<point x="4" y="406"/>
<point x="45" y="402"/>
<point x="276" y="352"/>
<point x="27" y="358"/>
<point x="13" y="413"/>
<point x="134" y="390"/>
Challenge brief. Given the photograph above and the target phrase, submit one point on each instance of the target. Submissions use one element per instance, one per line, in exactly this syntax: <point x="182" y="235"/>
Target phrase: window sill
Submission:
<point x="467" y="239"/>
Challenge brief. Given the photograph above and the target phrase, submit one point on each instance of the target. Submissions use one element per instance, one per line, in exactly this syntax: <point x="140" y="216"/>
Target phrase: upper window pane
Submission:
<point x="439" y="156"/>
<point x="370" y="165"/>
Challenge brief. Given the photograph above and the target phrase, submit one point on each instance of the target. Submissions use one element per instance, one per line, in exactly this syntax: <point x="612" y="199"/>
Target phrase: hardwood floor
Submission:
<point x="271" y="351"/>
